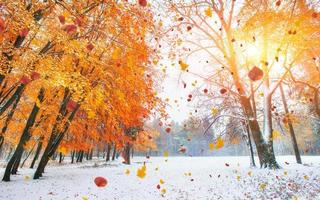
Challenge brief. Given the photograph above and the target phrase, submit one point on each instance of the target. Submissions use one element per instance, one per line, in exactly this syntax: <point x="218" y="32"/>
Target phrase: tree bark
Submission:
<point x="24" y="137"/>
<point x="108" y="152"/>
<point x="291" y="130"/>
<point x="252" y="162"/>
<point x="114" y="151"/>
<point x="36" y="156"/>
<point x="72" y="156"/>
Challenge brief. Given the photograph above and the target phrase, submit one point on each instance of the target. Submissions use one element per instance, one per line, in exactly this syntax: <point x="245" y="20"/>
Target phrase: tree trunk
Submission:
<point x="108" y="152"/>
<point x="72" y="156"/>
<point x="265" y="154"/>
<point x="114" y="151"/>
<point x="29" y="153"/>
<point x="24" y="137"/>
<point x="291" y="130"/>
<point x="126" y="154"/>
<point x="60" y="157"/>
<point x="36" y="156"/>
<point x="252" y="162"/>
<point x="56" y="136"/>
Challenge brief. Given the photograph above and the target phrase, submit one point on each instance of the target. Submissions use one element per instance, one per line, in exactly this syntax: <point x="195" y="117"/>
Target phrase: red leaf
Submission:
<point x="2" y="25"/>
<point x="90" y="47"/>
<point x="190" y="96"/>
<point x="205" y="91"/>
<point x="278" y="3"/>
<point x="71" y="105"/>
<point x="100" y="181"/>
<point x="314" y="15"/>
<point x="168" y="130"/>
<point x="24" y="32"/>
<point x="35" y="75"/>
<point x="223" y="90"/>
<point x="71" y="28"/>
<point x="182" y="150"/>
<point x="143" y="3"/>
<point x="25" y="79"/>
<point x="78" y="22"/>
<point x="255" y="73"/>
<point x="62" y="19"/>
<point x="286" y="163"/>
<point x="158" y="187"/>
<point x="189" y="28"/>
<point x="227" y="164"/>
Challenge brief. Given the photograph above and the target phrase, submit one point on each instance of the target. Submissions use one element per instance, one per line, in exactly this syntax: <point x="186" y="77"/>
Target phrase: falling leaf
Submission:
<point x="295" y="197"/>
<point x="163" y="191"/>
<point x="226" y="164"/>
<point x="26" y="178"/>
<point x="127" y="172"/>
<point x="168" y="130"/>
<point x="250" y="173"/>
<point x="158" y="187"/>
<point x="214" y="111"/>
<point x="255" y="74"/>
<point x="275" y="135"/>
<point x="161" y="181"/>
<point x="208" y="12"/>
<point x="141" y="172"/>
<point x="211" y="146"/>
<point x="166" y="154"/>
<point x="85" y="198"/>
<point x="238" y="178"/>
<point x="220" y="143"/>
<point x="184" y="66"/>
<point x="306" y="177"/>
<point x="285" y="173"/>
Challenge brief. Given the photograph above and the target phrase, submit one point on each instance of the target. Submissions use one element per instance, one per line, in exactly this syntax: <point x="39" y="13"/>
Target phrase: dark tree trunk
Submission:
<point x="91" y="154"/>
<point x="60" y="157"/>
<point x="108" y="152"/>
<point x="126" y="154"/>
<point x="291" y="130"/>
<point x="24" y="137"/>
<point x="252" y="162"/>
<point x="12" y="99"/>
<point x="72" y="156"/>
<point x="114" y="151"/>
<point x="56" y="136"/>
<point x="27" y="156"/>
<point x="265" y="153"/>
<point x="16" y="165"/>
<point x="36" y="156"/>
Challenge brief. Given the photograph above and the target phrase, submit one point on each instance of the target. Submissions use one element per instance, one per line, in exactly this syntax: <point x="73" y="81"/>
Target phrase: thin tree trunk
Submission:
<point x="60" y="157"/>
<point x="29" y="153"/>
<point x="252" y="162"/>
<point x="291" y="130"/>
<point x="24" y="137"/>
<point x="72" y="156"/>
<point x="114" y="151"/>
<point x="108" y="152"/>
<point x="36" y="156"/>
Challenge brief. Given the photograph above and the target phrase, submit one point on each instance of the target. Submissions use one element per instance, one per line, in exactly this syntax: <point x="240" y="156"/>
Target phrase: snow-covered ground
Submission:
<point x="193" y="178"/>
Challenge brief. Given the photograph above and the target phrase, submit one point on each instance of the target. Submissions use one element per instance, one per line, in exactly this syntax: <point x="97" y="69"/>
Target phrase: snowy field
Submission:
<point x="191" y="178"/>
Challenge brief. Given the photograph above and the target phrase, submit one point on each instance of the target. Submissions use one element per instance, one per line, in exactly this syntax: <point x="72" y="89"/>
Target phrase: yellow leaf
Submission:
<point x="208" y="12"/>
<point x="295" y="197"/>
<point x="250" y="173"/>
<point x="220" y="143"/>
<point x="285" y="173"/>
<point x="275" y="135"/>
<point x="211" y="146"/>
<point x="166" y="154"/>
<point x="141" y="172"/>
<point x="116" y="54"/>
<point x="306" y="177"/>
<point x="38" y="104"/>
<point x="163" y="191"/>
<point x="85" y="198"/>
<point x="127" y="171"/>
<point x="63" y="150"/>
<point x="26" y="178"/>
<point x="161" y="181"/>
<point x="262" y="186"/>
<point x="183" y="65"/>
<point x="156" y="169"/>
<point x="238" y="178"/>
<point x="214" y="111"/>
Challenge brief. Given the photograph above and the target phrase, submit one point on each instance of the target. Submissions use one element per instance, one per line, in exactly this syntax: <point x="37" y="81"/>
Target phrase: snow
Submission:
<point x="76" y="181"/>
